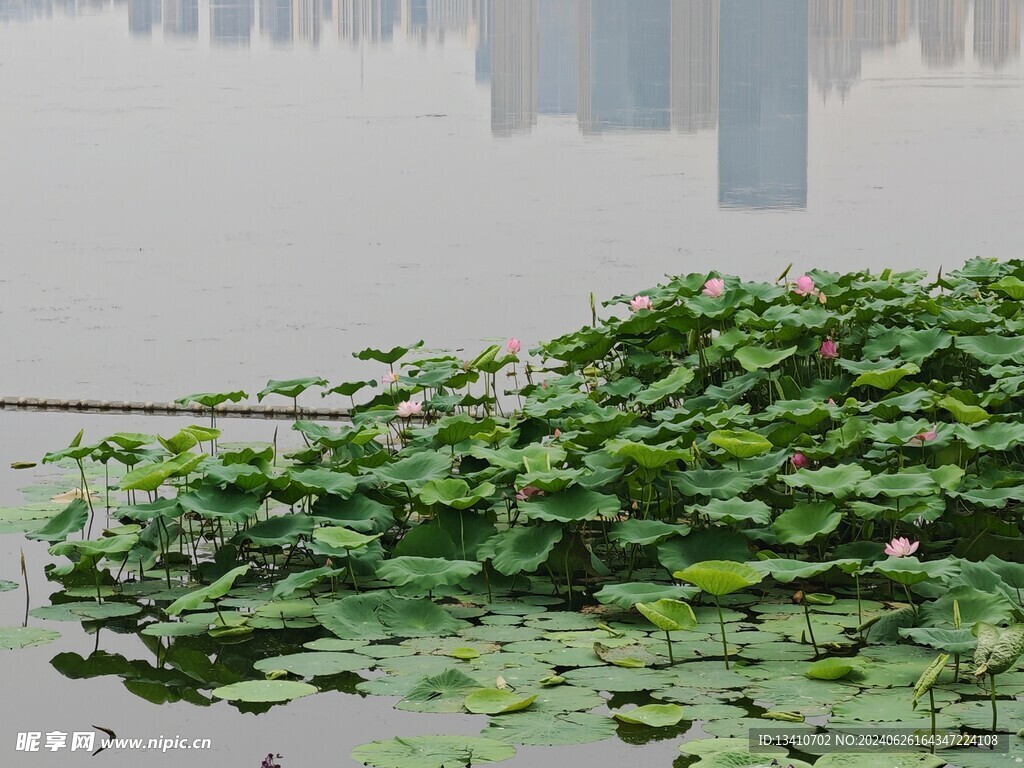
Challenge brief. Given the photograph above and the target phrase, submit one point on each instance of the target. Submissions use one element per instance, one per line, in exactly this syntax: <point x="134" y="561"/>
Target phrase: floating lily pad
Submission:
<point x="12" y="638"/>
<point x="264" y="691"/>
<point x="493" y="701"/>
<point x="541" y="729"/>
<point x="432" y="752"/>
<point x="652" y="715"/>
<point x="314" y="663"/>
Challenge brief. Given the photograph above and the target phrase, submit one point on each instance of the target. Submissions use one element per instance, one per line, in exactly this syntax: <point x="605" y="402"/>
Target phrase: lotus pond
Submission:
<point x="720" y="506"/>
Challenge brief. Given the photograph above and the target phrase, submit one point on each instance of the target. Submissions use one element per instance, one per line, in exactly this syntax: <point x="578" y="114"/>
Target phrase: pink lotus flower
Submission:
<point x="409" y="408"/>
<point x="527" y="492"/>
<point x="557" y="433"/>
<point x="923" y="437"/>
<point x="830" y="402"/>
<point x="799" y="461"/>
<point x="821" y="297"/>
<point x="640" y="302"/>
<point x="901" y="547"/>
<point x="388" y="378"/>
<point x="828" y="350"/>
<point x="804" y="286"/>
<point x="513" y="346"/>
<point x="714" y="287"/>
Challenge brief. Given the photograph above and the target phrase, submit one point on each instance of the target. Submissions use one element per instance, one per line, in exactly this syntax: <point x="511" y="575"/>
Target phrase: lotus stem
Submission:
<point x="810" y="629"/>
<point x="351" y="570"/>
<point x="668" y="639"/>
<point x="721" y="623"/>
<point x="995" y="713"/>
<point x="24" y="575"/>
<point x="860" y="614"/>
<point x="85" y="492"/>
<point x="956" y="667"/>
<point x="931" y="706"/>
<point x="910" y="599"/>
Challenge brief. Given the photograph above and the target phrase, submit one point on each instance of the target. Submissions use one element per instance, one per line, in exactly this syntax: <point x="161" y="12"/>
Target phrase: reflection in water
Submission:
<point x="941" y="25"/>
<point x="996" y="31"/>
<point x="181" y="18"/>
<point x="694" y="65"/>
<point x="624" y="65"/>
<point x="741" y="67"/>
<point x="842" y="31"/>
<point x="231" y="21"/>
<point x="762" y="104"/>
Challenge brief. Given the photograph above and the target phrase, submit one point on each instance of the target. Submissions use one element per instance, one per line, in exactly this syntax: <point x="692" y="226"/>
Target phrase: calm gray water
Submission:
<point x="204" y="195"/>
<point x="207" y="194"/>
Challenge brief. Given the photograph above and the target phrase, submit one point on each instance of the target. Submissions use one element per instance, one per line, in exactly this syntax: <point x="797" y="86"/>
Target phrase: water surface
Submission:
<point x="208" y="194"/>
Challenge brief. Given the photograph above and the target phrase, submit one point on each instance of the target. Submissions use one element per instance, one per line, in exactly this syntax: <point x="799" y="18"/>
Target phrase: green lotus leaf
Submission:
<point x="426" y="574"/>
<point x="786" y="571"/>
<point x="974" y="605"/>
<point x="360" y="513"/>
<point x="230" y="505"/>
<point x="71" y="520"/>
<point x="573" y="505"/>
<point x="741" y="443"/>
<point x="998" y="648"/>
<point x="669" y="615"/>
<point x="629" y="656"/>
<point x="415" y="470"/>
<point x="149" y="477"/>
<point x="648" y="456"/>
<point x="443" y="692"/>
<point x="805" y="522"/>
<point x="264" y="691"/>
<point x="909" y="571"/>
<point x="677" y="553"/>
<point x="521" y="549"/>
<point x="303" y="581"/>
<point x="644" y="532"/>
<point x="627" y="595"/>
<point x="432" y="752"/>
<point x="720" y="577"/>
<point x="86" y="609"/>
<point x="806" y="413"/>
<point x="348" y="388"/>
<point x="280" y="530"/>
<point x="13" y="638"/>
<point x="959" y="641"/>
<point x="835" y="668"/>
<point x="535" y="728"/>
<point x="196" y="598"/>
<point x="839" y="481"/>
<point x="337" y="537"/>
<point x="898" y="484"/>
<point x="886" y="379"/>
<point x="314" y="663"/>
<point x="652" y="715"/>
<point x="354" y="617"/>
<point x="754" y="358"/>
<point x="98" y="548"/>
<point x="992" y="348"/>
<point x="402" y="617"/>
<point x="323" y="481"/>
<point x="290" y="387"/>
<point x="454" y="492"/>
<point x="388" y="357"/>
<point x="734" y="510"/>
<point x="929" y="677"/>
<point x="669" y="386"/>
<point x="212" y="399"/>
<point x="173" y="629"/>
<point x="1001" y="436"/>
<point x="492" y="701"/>
<point x="963" y="413"/>
<point x="896" y="760"/>
<point x="715" y="483"/>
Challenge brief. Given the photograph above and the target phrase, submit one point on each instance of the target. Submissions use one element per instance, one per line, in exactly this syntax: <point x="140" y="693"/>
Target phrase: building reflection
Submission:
<point x="181" y="18"/>
<point x="942" y="28"/>
<point x="842" y="31"/>
<point x="997" y="26"/>
<point x="762" y="104"/>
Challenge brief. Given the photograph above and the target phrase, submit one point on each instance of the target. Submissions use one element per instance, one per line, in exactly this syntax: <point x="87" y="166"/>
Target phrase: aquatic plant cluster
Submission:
<point x="729" y="503"/>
